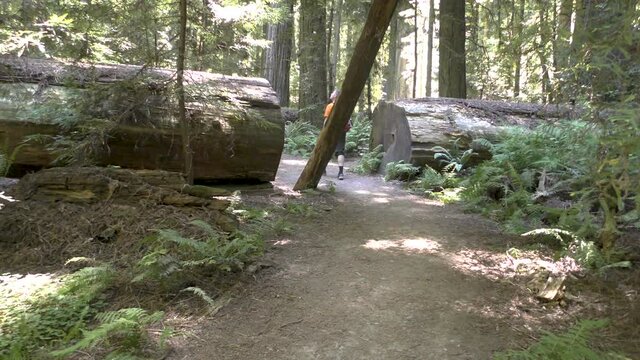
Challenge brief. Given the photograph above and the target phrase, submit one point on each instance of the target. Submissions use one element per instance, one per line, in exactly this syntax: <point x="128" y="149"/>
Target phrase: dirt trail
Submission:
<point x="379" y="274"/>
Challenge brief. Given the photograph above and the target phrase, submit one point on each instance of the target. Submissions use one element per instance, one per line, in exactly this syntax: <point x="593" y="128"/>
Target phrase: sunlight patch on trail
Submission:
<point x="420" y="245"/>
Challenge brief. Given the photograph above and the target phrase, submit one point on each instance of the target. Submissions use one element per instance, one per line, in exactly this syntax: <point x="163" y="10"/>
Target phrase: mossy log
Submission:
<point x="237" y="131"/>
<point x="409" y="129"/>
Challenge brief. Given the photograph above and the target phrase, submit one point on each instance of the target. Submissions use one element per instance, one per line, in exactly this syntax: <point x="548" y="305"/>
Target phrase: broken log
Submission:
<point x="237" y="127"/>
<point x="409" y="129"/>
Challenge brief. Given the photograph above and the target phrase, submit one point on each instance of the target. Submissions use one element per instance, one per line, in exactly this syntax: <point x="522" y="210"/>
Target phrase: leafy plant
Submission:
<point x="300" y="138"/>
<point x="399" y="170"/>
<point x="173" y="258"/>
<point x="369" y="162"/>
<point x="572" y="345"/>
<point x="454" y="160"/>
<point x="123" y="332"/>
<point x="359" y="134"/>
<point x="54" y="315"/>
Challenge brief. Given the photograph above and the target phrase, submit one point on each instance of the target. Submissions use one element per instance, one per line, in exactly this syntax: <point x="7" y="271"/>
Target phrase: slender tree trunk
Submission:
<point x="182" y="111"/>
<point x="369" y="98"/>
<point x="415" y="49"/>
<point x="357" y="74"/>
<point x="544" y="41"/>
<point x="518" y="58"/>
<point x="563" y="34"/>
<point x="312" y="60"/>
<point x="392" y="66"/>
<point x="277" y="59"/>
<point x="432" y="15"/>
<point x="335" y="53"/>
<point x="452" y="73"/>
<point x="330" y="74"/>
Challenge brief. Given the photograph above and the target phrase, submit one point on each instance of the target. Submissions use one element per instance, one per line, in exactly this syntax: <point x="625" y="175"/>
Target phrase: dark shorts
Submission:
<point x="342" y="140"/>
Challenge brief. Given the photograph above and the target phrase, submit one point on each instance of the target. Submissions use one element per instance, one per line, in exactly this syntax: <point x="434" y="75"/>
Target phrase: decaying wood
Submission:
<point x="357" y="73"/>
<point x="409" y="129"/>
<point x="552" y="289"/>
<point x="237" y="131"/>
<point x="92" y="184"/>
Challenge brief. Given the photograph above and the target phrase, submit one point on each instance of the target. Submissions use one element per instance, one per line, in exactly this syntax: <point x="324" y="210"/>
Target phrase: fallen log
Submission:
<point x="237" y="128"/>
<point x="409" y="129"/>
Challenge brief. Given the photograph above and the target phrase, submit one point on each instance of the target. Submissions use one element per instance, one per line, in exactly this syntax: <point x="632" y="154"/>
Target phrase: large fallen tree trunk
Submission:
<point x="129" y="116"/>
<point x="409" y="129"/>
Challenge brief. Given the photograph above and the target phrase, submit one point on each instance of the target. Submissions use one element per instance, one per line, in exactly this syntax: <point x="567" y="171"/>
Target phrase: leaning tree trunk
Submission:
<point x="409" y="129"/>
<point x="237" y="132"/>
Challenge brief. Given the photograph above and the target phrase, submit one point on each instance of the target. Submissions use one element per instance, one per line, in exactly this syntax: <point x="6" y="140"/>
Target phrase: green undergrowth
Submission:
<point x="574" y="344"/>
<point x="300" y="138"/>
<point x="369" y="162"/>
<point x="111" y="312"/>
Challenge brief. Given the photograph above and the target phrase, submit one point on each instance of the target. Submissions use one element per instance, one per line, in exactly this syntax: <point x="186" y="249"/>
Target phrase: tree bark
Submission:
<point x="360" y="65"/>
<point x="237" y="129"/>
<point x="432" y="14"/>
<point x="452" y="73"/>
<point x="518" y="58"/>
<point x="312" y="60"/>
<point x="335" y="52"/>
<point x="185" y="130"/>
<point x="415" y="49"/>
<point x="278" y="55"/>
<point x="409" y="129"/>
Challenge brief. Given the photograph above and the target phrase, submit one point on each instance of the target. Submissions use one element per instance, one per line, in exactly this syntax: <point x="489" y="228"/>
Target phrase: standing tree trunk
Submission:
<point x="278" y="55"/>
<point x="357" y="73"/>
<point x="312" y="60"/>
<point x="452" y="80"/>
<point x="182" y="111"/>
<point x="545" y="39"/>
<point x="335" y="52"/>
<point x="563" y="34"/>
<point x="415" y="49"/>
<point x="432" y="14"/>
<point x="392" y="66"/>
<point x="519" y="24"/>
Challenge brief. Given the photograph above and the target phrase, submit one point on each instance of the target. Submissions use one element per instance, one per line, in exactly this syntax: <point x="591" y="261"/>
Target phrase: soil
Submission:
<point x="379" y="273"/>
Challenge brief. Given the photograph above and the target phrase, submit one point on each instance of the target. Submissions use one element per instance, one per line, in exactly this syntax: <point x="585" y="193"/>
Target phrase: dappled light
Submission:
<point x="5" y="199"/>
<point x="381" y="200"/>
<point x="419" y="245"/>
<point x="283" y="242"/>
<point x="15" y="288"/>
<point x="294" y="162"/>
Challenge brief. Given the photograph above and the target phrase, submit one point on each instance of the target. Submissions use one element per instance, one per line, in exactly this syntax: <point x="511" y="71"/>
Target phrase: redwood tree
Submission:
<point x="452" y="79"/>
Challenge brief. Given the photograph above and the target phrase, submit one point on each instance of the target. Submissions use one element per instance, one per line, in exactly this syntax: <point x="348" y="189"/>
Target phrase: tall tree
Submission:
<point x="452" y="80"/>
<point x="182" y="111"/>
<point x="432" y="15"/>
<point x="335" y="43"/>
<point x="312" y="60"/>
<point x="277" y="59"/>
<point x="357" y="74"/>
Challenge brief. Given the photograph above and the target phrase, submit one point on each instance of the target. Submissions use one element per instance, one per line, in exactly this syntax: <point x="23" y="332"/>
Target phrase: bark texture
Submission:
<point x="312" y="44"/>
<point x="452" y="80"/>
<point x="237" y="131"/>
<point x="278" y="55"/>
<point x="409" y="129"/>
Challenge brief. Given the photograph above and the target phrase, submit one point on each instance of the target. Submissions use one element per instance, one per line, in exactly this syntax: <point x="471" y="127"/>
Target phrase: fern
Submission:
<point x="300" y="138"/>
<point x="400" y="171"/>
<point x="369" y="162"/>
<point x="125" y="328"/>
<point x="201" y="294"/>
<point x="572" y="345"/>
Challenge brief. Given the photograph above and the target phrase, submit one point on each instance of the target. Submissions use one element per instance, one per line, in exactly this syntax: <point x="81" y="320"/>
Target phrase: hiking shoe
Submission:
<point x="340" y="176"/>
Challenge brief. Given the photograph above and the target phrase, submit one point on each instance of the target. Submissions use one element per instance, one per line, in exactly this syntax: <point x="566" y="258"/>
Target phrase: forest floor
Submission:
<point x="374" y="272"/>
